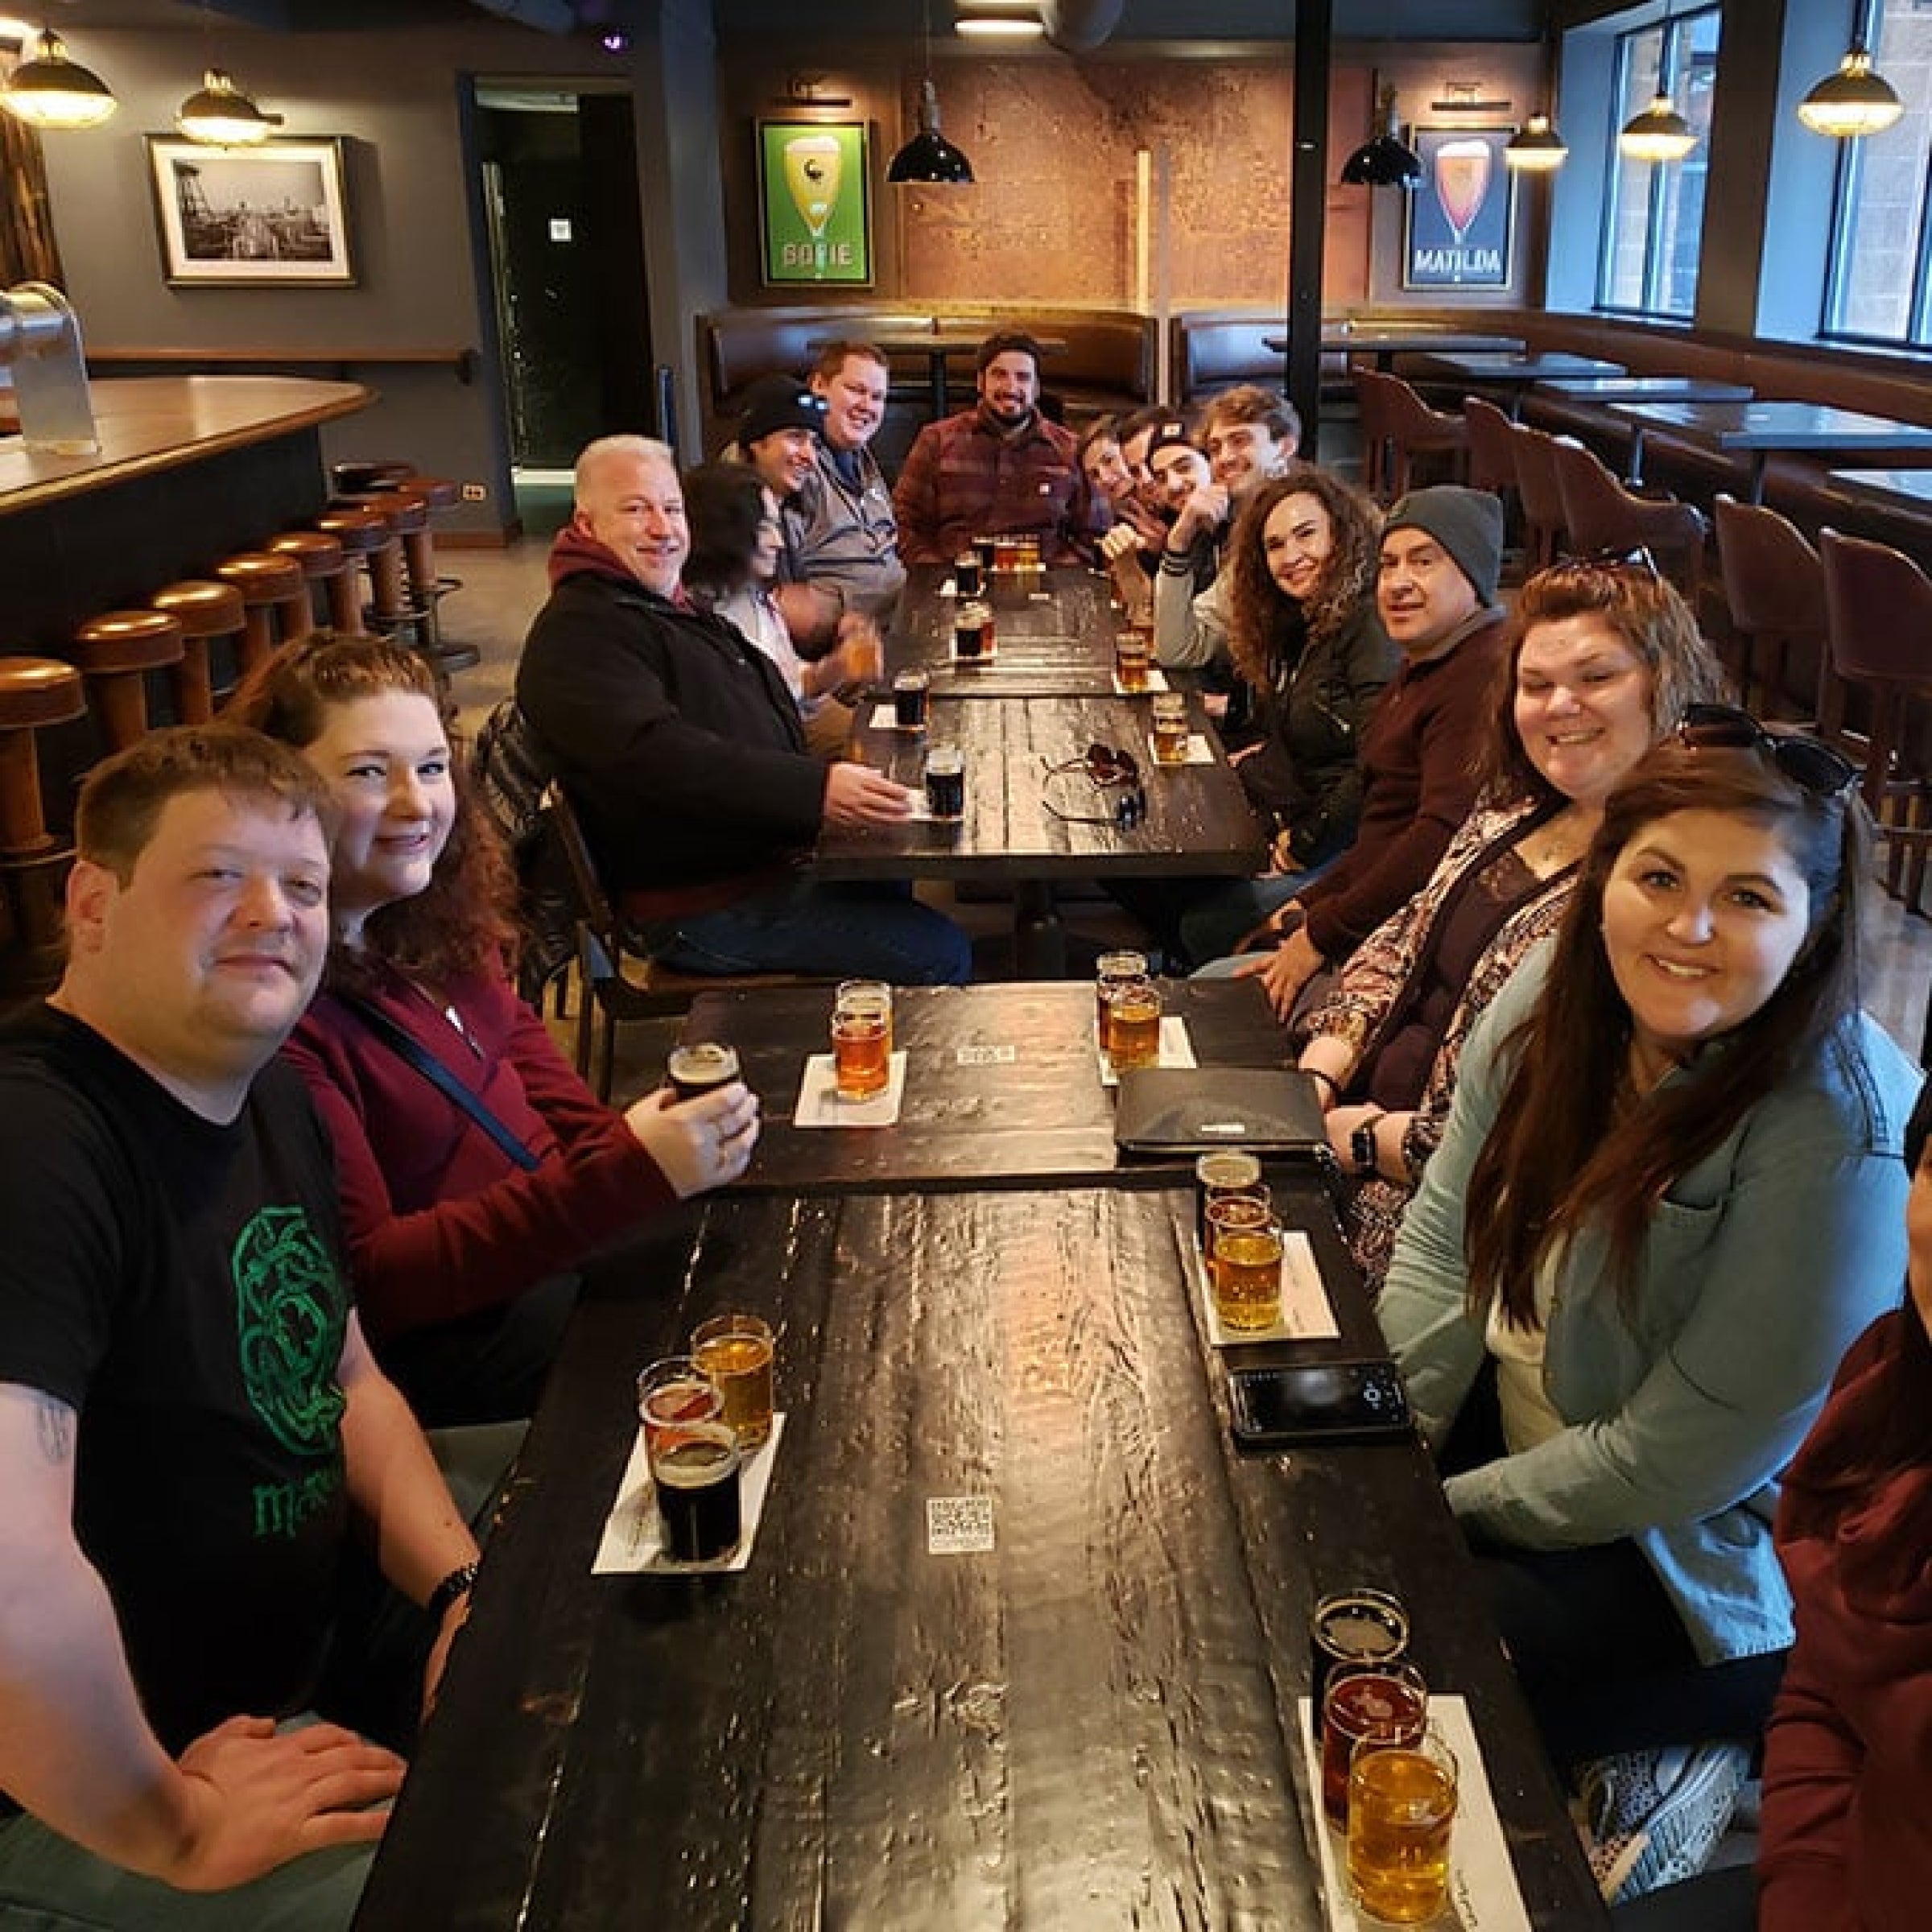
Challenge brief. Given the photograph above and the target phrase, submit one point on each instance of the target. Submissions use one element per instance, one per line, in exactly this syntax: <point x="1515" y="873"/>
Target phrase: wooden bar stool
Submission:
<point x="274" y="593"/>
<point x="390" y="609"/>
<point x="361" y="533"/>
<point x="36" y="694"/>
<point x="206" y="612"/>
<point x="115" y="652"/>
<point x="323" y="565"/>
<point x="353" y="478"/>
<point x="1774" y="588"/>
<point x="427" y="584"/>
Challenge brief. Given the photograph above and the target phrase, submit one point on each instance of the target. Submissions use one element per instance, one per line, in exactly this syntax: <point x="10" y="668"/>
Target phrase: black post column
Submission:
<point x="1307" y="212"/>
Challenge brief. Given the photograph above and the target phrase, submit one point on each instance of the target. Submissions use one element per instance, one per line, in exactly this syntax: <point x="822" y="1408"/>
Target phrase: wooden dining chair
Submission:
<point x="1774" y="589"/>
<point x="1545" y="530"/>
<point x="1405" y="427"/>
<point x="1878" y="626"/>
<point x="1600" y="514"/>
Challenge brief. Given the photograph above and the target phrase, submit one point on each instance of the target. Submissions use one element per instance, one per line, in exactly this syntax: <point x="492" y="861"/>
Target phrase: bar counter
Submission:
<point x="191" y="469"/>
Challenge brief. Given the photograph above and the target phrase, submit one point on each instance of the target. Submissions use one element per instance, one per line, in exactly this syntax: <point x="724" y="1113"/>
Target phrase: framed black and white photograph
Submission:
<point x="1461" y="231"/>
<point x="260" y="217"/>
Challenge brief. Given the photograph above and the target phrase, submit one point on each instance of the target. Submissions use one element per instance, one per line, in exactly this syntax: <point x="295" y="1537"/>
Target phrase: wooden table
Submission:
<point x="1899" y="489"/>
<point x="1053" y="630"/>
<point x="1003" y="1084"/>
<point x="1513" y="374"/>
<point x="190" y="468"/>
<point x="1384" y="341"/>
<point x="1763" y="429"/>
<point x="1198" y="820"/>
<point x="1094" y="1724"/>
<point x="1644" y="389"/>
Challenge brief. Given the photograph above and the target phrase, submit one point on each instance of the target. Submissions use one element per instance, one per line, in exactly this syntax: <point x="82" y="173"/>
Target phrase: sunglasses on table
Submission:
<point x="1110" y="770"/>
<point x="1808" y="764"/>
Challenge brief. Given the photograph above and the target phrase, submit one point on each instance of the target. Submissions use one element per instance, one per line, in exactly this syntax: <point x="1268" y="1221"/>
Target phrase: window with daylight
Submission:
<point x="1879" y="287"/>
<point x="1653" y="224"/>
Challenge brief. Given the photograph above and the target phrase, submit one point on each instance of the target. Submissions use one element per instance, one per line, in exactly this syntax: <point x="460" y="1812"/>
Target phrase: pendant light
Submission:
<point x="1660" y="133"/>
<point x="220" y="115"/>
<point x="1852" y="102"/>
<point x="1384" y="159"/>
<point x="51" y="90"/>
<point x="928" y="156"/>
<point x="1535" y="147"/>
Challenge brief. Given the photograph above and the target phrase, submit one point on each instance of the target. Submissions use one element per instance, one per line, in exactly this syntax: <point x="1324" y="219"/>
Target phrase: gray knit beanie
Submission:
<point x="1467" y="523"/>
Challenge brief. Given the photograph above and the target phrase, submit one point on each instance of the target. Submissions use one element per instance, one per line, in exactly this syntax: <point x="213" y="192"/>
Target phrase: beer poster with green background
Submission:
<point x="812" y="191"/>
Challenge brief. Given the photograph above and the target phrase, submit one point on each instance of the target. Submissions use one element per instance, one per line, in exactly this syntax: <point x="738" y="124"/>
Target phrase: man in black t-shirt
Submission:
<point x="189" y="1418"/>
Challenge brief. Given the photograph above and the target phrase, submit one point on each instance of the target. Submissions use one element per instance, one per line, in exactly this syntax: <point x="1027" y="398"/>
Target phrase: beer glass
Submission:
<point x="967" y="572"/>
<point x="699" y="1067"/>
<point x="1005" y="554"/>
<point x="1247" y="1208"/>
<point x="946" y="782"/>
<point x="972" y="630"/>
<point x="1130" y="656"/>
<point x="737" y="1351"/>
<point x="1108" y="970"/>
<point x="1359" y="1626"/>
<point x="861" y="1052"/>
<point x="986" y="549"/>
<point x="696" y="1475"/>
<point x="1227" y="1170"/>
<point x="1387" y="1703"/>
<point x="1169" y="727"/>
<point x="1133" y="1024"/>
<point x="909" y="693"/>
<point x="866" y="996"/>
<point x="1402" y="1809"/>
<point x="674" y="1394"/>
<point x="1026" y="553"/>
<point x="1247" y="1275"/>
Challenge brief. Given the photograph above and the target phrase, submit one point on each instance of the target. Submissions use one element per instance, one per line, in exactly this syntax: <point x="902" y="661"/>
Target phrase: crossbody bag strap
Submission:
<point x="403" y="1042"/>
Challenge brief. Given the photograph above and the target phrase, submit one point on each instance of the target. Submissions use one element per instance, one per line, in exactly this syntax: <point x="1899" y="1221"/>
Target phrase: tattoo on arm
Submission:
<point x="54" y="1425"/>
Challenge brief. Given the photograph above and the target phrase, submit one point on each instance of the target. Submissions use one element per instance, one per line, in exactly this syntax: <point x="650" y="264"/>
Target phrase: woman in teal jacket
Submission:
<point x="1668" y="1198"/>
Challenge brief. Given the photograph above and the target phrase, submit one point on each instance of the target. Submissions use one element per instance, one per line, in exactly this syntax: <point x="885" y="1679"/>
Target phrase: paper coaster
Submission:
<point x="1200" y="752"/>
<point x="972" y="663"/>
<point x="1484" y="1896"/>
<point x="1157" y="680"/>
<point x="1306" y="1315"/>
<point x="1177" y="1049"/>
<point x="885" y="718"/>
<point x="819" y="1104"/>
<point x="632" y="1543"/>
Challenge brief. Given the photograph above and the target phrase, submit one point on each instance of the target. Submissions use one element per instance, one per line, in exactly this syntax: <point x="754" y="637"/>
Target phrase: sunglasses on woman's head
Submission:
<point x="1808" y="763"/>
<point x="1636" y="561"/>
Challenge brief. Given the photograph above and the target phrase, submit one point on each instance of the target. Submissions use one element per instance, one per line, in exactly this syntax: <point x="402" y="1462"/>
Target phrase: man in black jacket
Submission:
<point x="682" y="750"/>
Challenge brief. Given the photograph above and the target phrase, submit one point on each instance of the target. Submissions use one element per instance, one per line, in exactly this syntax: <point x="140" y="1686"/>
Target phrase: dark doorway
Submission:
<point x="566" y="268"/>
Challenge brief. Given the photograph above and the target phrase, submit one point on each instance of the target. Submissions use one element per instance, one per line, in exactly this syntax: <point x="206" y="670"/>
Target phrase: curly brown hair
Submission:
<point x="1263" y="620"/>
<point x="463" y="921"/>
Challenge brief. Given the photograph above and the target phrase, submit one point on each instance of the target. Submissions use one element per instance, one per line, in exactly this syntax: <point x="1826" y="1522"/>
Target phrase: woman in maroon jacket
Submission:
<point x="463" y="1254"/>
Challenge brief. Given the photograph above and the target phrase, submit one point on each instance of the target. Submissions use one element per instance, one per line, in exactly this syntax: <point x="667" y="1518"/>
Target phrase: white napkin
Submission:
<point x="1157" y="680"/>
<point x="1482" y="1893"/>
<point x="633" y="1542"/>
<point x="819" y="1104"/>
<point x="1306" y="1315"/>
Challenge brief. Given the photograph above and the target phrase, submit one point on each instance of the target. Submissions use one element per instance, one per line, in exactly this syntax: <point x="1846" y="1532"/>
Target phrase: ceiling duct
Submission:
<point x="1078" y="27"/>
<point x="546" y="16"/>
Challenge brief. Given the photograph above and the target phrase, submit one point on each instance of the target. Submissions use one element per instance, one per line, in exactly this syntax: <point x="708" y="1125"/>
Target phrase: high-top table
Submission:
<point x="1897" y="488"/>
<point x="1198" y="819"/>
<point x="1002" y="1087"/>
<point x="1384" y="341"/>
<point x="1763" y="429"/>
<point x="1090" y="1722"/>
<point x="1511" y="374"/>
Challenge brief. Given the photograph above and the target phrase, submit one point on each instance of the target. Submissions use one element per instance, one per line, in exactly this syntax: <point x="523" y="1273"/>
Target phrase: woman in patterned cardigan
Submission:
<point x="1603" y="658"/>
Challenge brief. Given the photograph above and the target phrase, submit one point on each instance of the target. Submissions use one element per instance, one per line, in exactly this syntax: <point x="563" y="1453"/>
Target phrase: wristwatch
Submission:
<point x="457" y="1584"/>
<point x="1361" y="1143"/>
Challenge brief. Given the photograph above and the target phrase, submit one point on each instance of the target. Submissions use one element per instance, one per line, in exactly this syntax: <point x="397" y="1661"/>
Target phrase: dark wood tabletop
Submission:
<point x="1054" y="635"/>
<point x="1002" y="1083"/>
<point x="1385" y="341"/>
<point x="1092" y="1723"/>
<point x="1645" y="389"/>
<point x="1505" y="368"/>
<point x="1903" y="488"/>
<point x="1761" y="429"/>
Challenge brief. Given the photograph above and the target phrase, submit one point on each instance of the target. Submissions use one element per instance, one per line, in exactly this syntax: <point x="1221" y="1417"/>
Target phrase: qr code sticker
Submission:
<point x="958" y="1525"/>
<point x="987" y="1056"/>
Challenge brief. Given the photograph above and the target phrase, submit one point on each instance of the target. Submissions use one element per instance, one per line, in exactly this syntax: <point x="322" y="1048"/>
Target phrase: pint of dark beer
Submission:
<point x="696" y="1479"/>
<point x="909" y="693"/>
<point x="946" y="782"/>
<point x="701" y="1066"/>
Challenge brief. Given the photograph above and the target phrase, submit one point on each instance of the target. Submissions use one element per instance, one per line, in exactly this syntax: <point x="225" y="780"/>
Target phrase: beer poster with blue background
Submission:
<point x="1462" y="213"/>
<point x="812" y="193"/>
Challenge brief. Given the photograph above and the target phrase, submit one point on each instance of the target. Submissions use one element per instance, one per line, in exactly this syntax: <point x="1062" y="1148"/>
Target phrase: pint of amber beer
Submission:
<point x="1401" y="1808"/>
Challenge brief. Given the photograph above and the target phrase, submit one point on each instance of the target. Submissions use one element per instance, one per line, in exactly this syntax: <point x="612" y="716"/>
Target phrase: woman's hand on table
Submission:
<point x="700" y="1143"/>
